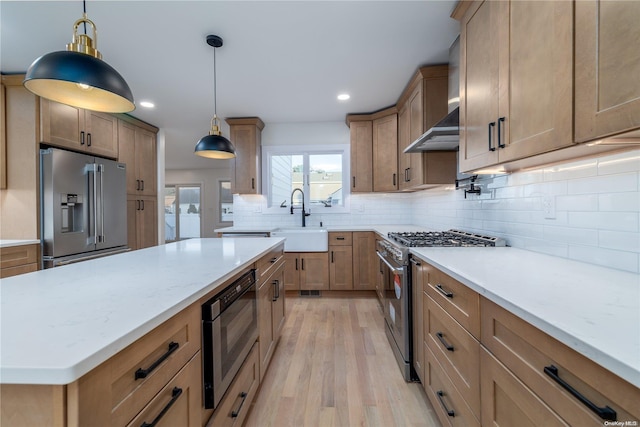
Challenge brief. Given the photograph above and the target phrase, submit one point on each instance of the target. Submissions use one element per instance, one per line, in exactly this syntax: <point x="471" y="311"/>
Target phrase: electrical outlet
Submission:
<point x="549" y="206"/>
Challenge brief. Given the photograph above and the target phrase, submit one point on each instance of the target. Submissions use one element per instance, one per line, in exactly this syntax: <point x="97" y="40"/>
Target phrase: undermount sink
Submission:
<point x="303" y="239"/>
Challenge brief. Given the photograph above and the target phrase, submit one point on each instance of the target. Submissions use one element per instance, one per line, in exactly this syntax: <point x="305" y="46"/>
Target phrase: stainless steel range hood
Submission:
<point x="444" y="135"/>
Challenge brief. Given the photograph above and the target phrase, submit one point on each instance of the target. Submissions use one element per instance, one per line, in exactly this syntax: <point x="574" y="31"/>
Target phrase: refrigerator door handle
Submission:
<point x="101" y="238"/>
<point x="94" y="202"/>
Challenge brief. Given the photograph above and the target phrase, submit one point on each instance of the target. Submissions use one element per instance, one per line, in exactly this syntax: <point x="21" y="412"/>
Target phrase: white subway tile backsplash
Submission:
<point x="606" y="257"/>
<point x="621" y="240"/>
<point x="574" y="236"/>
<point x="620" y="221"/>
<point x="573" y="170"/>
<point x="619" y="202"/>
<point x="582" y="202"/>
<point x="619" y="163"/>
<point x="604" y="184"/>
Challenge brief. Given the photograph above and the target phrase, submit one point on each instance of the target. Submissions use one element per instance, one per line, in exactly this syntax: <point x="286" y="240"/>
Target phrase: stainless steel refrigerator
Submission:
<point x="84" y="207"/>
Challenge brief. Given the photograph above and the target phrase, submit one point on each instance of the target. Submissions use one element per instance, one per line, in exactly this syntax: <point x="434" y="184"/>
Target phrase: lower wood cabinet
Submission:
<point x="340" y="261"/>
<point x="270" y="314"/>
<point x="306" y="271"/>
<point x="142" y="222"/>
<point x="19" y="259"/>
<point x="365" y="260"/>
<point x="418" y="277"/>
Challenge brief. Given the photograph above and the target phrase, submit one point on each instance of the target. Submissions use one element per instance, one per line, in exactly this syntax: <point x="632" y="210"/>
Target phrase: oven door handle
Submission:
<point x="399" y="271"/>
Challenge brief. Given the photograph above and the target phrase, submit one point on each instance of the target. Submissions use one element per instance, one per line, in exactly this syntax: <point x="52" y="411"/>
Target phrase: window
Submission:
<point x="181" y="212"/>
<point x="320" y="172"/>
<point x="226" y="201"/>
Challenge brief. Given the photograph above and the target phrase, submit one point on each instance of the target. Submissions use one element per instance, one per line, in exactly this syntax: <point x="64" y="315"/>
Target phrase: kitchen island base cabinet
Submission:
<point x="19" y="259"/>
<point x="270" y="315"/>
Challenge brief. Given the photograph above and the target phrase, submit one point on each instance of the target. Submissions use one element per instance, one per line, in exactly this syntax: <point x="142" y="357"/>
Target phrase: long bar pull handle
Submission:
<point x="143" y="373"/>
<point x="500" y="125"/>
<point x="101" y="171"/>
<point x="491" y="126"/>
<point x="95" y="204"/>
<point x="276" y="291"/>
<point x="449" y="412"/>
<point x="446" y="345"/>
<point x="81" y="137"/>
<point x="175" y="395"/>
<point x="443" y="291"/>
<point x="234" y="414"/>
<point x="605" y="413"/>
<point x="89" y="140"/>
<point x="414" y="261"/>
<point x="396" y="270"/>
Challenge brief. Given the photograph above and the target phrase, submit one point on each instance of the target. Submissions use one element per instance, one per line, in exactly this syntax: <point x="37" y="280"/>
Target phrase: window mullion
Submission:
<point x="305" y="180"/>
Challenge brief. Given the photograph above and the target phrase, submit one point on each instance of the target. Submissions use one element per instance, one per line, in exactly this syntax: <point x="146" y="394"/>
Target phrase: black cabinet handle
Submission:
<point x="354" y="182"/>
<point x="443" y="292"/>
<point x="82" y="137"/>
<point x="394" y="179"/>
<point x="137" y="205"/>
<point x="296" y="264"/>
<point x="340" y="238"/>
<point x="137" y="185"/>
<point x="274" y="259"/>
<point x="142" y="205"/>
<point x="234" y="414"/>
<point x="302" y="260"/>
<point x="500" y="121"/>
<point x="142" y="373"/>
<point x="253" y="183"/>
<point x="331" y="257"/>
<point x="446" y="345"/>
<point x="276" y="292"/>
<point x="605" y="413"/>
<point x="88" y="140"/>
<point x="491" y="126"/>
<point x="142" y="185"/>
<point x="449" y="412"/>
<point x="175" y="395"/>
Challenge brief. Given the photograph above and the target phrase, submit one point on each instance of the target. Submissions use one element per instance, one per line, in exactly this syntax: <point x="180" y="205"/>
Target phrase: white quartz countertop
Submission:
<point x="7" y="243"/>
<point x="58" y="324"/>
<point x="593" y="310"/>
<point x="380" y="229"/>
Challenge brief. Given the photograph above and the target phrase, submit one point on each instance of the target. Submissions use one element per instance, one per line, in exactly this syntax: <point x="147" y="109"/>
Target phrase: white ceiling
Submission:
<point x="283" y="61"/>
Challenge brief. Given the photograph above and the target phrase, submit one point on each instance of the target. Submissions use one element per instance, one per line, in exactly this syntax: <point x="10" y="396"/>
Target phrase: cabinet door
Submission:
<point x="127" y="153"/>
<point x="147" y="223"/>
<point x="364" y="260"/>
<point x="340" y="268"/>
<point x="607" y="66"/>
<point x="385" y="153"/>
<point x="537" y="68"/>
<point x="415" y="106"/>
<point x="146" y="161"/>
<point x="417" y="278"/>
<point x="132" y="219"/>
<point x="314" y="271"/>
<point x="277" y="306"/>
<point x="479" y="44"/>
<point x="404" y="139"/>
<point x="265" y="325"/>
<point x="101" y="134"/>
<point x="245" y="166"/>
<point x="508" y="402"/>
<point x="361" y="156"/>
<point x="291" y="271"/>
<point x="62" y="125"/>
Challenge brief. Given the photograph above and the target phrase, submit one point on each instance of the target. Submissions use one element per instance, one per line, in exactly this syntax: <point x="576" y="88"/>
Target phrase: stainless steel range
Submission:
<point x="395" y="275"/>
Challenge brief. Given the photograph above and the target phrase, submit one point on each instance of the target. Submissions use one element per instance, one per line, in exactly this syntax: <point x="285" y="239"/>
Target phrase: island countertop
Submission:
<point x="58" y="324"/>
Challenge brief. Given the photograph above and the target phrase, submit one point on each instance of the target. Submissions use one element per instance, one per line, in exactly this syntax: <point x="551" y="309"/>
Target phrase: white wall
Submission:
<point x="305" y="133"/>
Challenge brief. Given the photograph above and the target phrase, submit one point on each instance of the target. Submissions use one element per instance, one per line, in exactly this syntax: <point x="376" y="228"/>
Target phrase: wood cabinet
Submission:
<point x="418" y="277"/>
<point x="137" y="149"/>
<point x="77" y="129"/>
<point x="421" y="105"/>
<point x="385" y="151"/>
<point x="306" y="271"/>
<point x="340" y="261"/>
<point x="361" y="138"/>
<point x="246" y="135"/>
<point x="516" y="81"/>
<point x="270" y="313"/>
<point x="142" y="222"/>
<point x="364" y="260"/>
<point x="607" y="90"/>
<point x="19" y="259"/>
<point x="540" y="363"/>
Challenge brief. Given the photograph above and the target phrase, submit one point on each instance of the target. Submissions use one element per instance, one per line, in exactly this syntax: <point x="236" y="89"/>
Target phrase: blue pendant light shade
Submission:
<point x="79" y="77"/>
<point x="214" y="145"/>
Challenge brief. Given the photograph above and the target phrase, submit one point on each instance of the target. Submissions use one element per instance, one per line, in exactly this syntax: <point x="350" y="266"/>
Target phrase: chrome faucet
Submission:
<point x="304" y="214"/>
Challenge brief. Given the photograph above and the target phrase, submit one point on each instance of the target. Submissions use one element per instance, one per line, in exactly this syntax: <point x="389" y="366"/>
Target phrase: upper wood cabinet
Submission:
<point x="71" y="127"/>
<point x="137" y="148"/>
<point x="245" y="134"/>
<point x="385" y="150"/>
<point x="516" y="81"/>
<point x="361" y="154"/>
<point x="421" y="105"/>
<point x="607" y="66"/>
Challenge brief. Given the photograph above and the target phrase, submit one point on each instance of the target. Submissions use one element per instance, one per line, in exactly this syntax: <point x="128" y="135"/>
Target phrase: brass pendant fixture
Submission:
<point x="214" y="145"/>
<point x="79" y="77"/>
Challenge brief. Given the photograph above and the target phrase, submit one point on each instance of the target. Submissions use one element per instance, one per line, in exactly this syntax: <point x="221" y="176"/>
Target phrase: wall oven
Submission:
<point x="229" y="329"/>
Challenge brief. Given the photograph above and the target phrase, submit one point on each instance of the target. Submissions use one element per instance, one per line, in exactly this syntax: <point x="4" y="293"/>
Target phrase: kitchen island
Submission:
<point x="59" y="325"/>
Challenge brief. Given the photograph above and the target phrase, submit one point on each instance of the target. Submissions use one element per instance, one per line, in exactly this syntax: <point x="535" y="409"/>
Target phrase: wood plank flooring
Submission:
<point x="334" y="367"/>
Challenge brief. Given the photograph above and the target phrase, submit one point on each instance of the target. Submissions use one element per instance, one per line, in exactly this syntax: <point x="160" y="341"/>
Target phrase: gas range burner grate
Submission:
<point x="451" y="238"/>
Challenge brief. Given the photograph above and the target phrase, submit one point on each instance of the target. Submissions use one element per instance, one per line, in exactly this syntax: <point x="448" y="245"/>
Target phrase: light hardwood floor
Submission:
<point x="334" y="367"/>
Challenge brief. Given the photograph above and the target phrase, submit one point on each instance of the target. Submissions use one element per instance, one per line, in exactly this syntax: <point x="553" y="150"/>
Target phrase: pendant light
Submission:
<point x="79" y="77"/>
<point x="214" y="145"/>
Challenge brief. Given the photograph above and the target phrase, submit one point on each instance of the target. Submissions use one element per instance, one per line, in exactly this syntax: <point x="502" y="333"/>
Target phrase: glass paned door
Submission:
<point x="182" y="212"/>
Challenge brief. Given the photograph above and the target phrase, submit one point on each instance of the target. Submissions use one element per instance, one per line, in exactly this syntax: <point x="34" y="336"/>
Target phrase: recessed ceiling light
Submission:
<point x="343" y="96"/>
<point x="147" y="104"/>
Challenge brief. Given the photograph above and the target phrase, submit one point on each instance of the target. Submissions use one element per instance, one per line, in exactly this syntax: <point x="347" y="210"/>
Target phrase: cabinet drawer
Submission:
<point x="18" y="269"/>
<point x="266" y="263"/>
<point x="178" y="403"/>
<point x="461" y="302"/>
<point x="447" y="402"/>
<point x="508" y="402"/>
<point x="457" y="351"/>
<point x="341" y="238"/>
<point x="14" y="256"/>
<point x="235" y="404"/>
<point x="526" y="351"/>
<point x="161" y="353"/>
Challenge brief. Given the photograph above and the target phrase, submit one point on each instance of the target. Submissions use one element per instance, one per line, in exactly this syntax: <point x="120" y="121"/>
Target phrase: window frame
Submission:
<point x="306" y="151"/>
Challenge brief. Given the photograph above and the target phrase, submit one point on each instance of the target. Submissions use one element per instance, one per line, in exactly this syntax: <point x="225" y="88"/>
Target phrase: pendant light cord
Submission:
<point x="215" y="101"/>
<point x="84" y="11"/>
